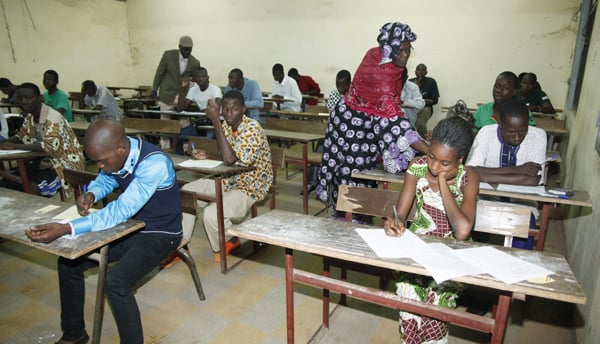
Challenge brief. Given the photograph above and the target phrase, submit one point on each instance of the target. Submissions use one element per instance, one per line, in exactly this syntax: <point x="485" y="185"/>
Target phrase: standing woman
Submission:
<point x="369" y="121"/>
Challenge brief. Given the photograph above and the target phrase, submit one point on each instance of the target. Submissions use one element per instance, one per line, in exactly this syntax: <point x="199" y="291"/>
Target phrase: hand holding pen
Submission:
<point x="197" y="154"/>
<point x="85" y="201"/>
<point x="395" y="227"/>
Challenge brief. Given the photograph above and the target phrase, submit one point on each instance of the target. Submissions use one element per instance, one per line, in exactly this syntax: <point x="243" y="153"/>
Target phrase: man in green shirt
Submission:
<point x="54" y="97"/>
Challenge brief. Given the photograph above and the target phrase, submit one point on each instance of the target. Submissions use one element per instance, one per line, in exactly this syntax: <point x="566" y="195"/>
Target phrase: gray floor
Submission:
<point x="245" y="306"/>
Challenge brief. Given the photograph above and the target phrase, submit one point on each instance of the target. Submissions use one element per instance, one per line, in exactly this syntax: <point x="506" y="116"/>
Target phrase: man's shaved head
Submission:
<point x="104" y="134"/>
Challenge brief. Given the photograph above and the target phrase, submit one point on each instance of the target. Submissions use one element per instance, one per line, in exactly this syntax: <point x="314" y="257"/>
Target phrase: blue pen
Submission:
<point x="84" y="188"/>
<point x="563" y="196"/>
<point x="551" y="157"/>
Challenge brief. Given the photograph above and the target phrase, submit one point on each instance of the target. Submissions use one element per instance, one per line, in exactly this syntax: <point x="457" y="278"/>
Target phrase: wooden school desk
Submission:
<point x="86" y="112"/>
<point x="580" y="198"/>
<point x="21" y="157"/>
<point x="144" y="113"/>
<point x="321" y="236"/>
<point x="80" y="127"/>
<point x="278" y="101"/>
<point x="217" y="173"/>
<point x="20" y="210"/>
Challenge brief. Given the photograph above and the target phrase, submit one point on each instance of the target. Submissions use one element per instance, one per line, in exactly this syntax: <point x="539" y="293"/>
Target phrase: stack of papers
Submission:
<point x="205" y="163"/>
<point x="444" y="263"/>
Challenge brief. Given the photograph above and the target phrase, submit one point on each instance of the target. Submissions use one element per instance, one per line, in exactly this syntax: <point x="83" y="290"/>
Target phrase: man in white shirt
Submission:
<point x="200" y="91"/>
<point x="285" y="87"/>
<point x="412" y="101"/>
<point x="510" y="152"/>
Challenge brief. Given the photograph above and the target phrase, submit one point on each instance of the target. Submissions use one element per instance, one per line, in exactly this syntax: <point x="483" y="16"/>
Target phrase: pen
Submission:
<point x="551" y="157"/>
<point x="396" y="216"/>
<point x="192" y="144"/>
<point x="84" y="188"/>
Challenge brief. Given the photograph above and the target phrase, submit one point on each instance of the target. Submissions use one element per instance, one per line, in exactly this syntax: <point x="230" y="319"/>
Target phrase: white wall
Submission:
<point x="465" y="44"/>
<point x="86" y="39"/>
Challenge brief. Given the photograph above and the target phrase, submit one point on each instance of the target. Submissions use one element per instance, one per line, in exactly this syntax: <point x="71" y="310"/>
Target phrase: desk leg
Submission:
<point x="289" y="293"/>
<point x="99" y="308"/>
<point x="541" y="238"/>
<point x="305" y="177"/>
<point x="500" y="319"/>
<point x="23" y="174"/>
<point x="220" y="217"/>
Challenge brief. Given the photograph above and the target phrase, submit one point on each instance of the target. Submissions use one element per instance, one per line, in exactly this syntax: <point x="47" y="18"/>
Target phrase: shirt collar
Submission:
<point x="132" y="158"/>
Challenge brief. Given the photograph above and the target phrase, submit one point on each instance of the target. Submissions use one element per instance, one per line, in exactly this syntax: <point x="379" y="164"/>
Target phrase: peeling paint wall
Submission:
<point x="86" y="39"/>
<point x="582" y="168"/>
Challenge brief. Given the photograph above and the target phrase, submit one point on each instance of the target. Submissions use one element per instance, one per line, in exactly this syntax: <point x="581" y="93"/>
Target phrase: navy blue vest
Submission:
<point x="162" y="213"/>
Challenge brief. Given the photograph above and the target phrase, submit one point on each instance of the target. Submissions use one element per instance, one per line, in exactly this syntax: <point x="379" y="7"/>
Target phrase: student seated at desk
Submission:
<point x="44" y="130"/>
<point x="199" y="91"/>
<point x="532" y="95"/>
<point x="343" y="79"/>
<point x="150" y="194"/>
<point x="240" y="140"/>
<point x="100" y="98"/>
<point x="8" y="88"/>
<point x="55" y="97"/>
<point x="307" y="85"/>
<point x="446" y="201"/>
<point x="250" y="89"/>
<point x="511" y="152"/>
<point x="285" y="87"/>
<point x="504" y="89"/>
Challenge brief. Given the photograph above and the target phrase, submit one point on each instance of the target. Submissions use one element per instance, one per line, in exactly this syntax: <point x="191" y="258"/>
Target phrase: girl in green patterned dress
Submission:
<point x="446" y="201"/>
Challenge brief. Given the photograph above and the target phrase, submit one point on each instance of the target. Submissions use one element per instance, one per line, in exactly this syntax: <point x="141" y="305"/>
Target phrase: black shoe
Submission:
<point x="310" y="188"/>
<point x="81" y="340"/>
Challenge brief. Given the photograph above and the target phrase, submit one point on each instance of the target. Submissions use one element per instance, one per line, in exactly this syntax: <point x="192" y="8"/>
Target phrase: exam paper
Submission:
<point x="442" y="264"/>
<point x="68" y="215"/>
<point x="534" y="190"/>
<point x="385" y="246"/>
<point x="506" y="268"/>
<point x="205" y="163"/>
<point x="485" y="186"/>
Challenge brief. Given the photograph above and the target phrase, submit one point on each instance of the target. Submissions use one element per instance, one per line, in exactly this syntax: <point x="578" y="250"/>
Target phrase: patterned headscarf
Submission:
<point x="390" y="37"/>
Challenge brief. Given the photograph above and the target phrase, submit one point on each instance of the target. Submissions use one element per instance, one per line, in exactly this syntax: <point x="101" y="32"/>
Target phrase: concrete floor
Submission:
<point x="245" y="306"/>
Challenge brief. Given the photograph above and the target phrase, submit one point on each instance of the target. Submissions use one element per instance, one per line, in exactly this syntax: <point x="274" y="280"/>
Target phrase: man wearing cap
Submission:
<point x="174" y="66"/>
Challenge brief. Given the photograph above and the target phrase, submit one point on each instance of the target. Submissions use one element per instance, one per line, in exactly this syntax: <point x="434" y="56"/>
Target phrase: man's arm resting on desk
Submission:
<point x="526" y="174"/>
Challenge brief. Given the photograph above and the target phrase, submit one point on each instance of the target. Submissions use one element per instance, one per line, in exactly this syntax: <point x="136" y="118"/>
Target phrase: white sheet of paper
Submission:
<point x="205" y="163"/>
<point x="13" y="151"/>
<point x="522" y="188"/>
<point x="384" y="246"/>
<point x="47" y="208"/>
<point x="485" y="186"/>
<point x="506" y="268"/>
<point x="442" y="264"/>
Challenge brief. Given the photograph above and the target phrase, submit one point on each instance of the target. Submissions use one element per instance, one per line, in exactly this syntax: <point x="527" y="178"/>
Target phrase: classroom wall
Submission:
<point x="465" y="44"/>
<point x="80" y="39"/>
<point x="581" y="165"/>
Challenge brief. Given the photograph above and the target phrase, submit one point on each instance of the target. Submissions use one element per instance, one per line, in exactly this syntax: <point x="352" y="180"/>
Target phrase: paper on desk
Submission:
<point x="485" y="186"/>
<point x="522" y="188"/>
<point x="68" y="215"/>
<point x="13" y="151"/>
<point x="384" y="246"/>
<point x="502" y="266"/>
<point x="205" y="163"/>
<point x="442" y="264"/>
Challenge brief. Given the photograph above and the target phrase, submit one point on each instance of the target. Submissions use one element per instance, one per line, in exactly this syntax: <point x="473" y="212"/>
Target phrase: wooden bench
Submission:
<point x="295" y="156"/>
<point x="154" y="128"/>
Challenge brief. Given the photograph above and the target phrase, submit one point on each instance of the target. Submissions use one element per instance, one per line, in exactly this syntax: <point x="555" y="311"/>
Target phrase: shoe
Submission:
<point x="310" y="187"/>
<point x="229" y="247"/>
<point x="171" y="260"/>
<point x="81" y="340"/>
